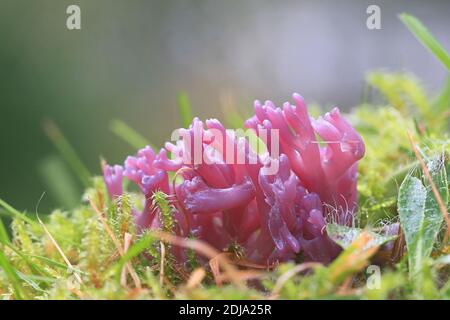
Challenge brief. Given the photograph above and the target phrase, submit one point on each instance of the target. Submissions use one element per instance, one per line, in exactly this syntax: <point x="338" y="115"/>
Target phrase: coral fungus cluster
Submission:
<point x="222" y="194"/>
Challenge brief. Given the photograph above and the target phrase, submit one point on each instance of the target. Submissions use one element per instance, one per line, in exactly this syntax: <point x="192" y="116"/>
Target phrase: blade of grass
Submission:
<point x="40" y="278"/>
<point x="56" y="264"/>
<point x="138" y="247"/>
<point x="15" y="213"/>
<point x="442" y="101"/>
<point x="128" y="134"/>
<point x="4" y="238"/>
<point x="33" y="266"/>
<point x="68" y="153"/>
<point x="426" y="38"/>
<point x="60" y="182"/>
<point x="12" y="276"/>
<point x="184" y="109"/>
<point x="30" y="280"/>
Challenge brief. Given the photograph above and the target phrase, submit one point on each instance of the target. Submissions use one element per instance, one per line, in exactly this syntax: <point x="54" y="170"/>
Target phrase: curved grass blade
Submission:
<point x="30" y="280"/>
<point x="426" y="38"/>
<point x="61" y="184"/>
<point x="128" y="134"/>
<point x="68" y="153"/>
<point x="442" y="101"/>
<point x="15" y="213"/>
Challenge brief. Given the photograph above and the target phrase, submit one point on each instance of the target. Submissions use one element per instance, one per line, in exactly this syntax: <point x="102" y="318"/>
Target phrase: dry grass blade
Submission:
<point x="132" y="272"/>
<point x="244" y="275"/>
<point x="126" y="245"/>
<point x="399" y="246"/>
<point x="195" y="278"/>
<point x="242" y="262"/>
<point x="208" y="251"/>
<point x="215" y="269"/>
<point x="353" y="259"/>
<point x="345" y="289"/>
<point x="442" y="206"/>
<point x="290" y="273"/>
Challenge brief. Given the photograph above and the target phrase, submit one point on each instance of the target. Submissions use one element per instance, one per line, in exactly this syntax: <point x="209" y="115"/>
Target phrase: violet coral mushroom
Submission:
<point x="272" y="217"/>
<point x="330" y="170"/>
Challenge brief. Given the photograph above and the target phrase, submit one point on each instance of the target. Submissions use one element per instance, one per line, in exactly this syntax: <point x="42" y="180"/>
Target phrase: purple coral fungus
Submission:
<point x="223" y="201"/>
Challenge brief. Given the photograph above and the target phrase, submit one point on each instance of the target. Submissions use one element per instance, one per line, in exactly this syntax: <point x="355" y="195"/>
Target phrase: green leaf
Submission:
<point x="419" y="213"/>
<point x="426" y="38"/>
<point x="184" y="109"/>
<point x="345" y="236"/>
<point x="411" y="208"/>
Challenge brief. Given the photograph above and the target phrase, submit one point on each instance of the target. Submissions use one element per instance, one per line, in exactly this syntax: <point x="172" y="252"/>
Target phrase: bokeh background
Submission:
<point x="132" y="58"/>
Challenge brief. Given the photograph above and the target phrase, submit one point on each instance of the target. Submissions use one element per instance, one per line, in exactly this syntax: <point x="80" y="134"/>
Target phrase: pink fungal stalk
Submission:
<point x="272" y="217"/>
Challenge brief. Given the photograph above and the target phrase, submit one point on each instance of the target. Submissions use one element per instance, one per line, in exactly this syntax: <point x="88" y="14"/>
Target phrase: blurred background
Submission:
<point x="132" y="58"/>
